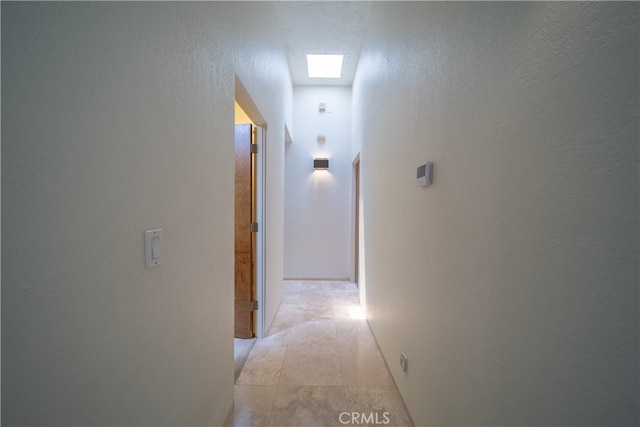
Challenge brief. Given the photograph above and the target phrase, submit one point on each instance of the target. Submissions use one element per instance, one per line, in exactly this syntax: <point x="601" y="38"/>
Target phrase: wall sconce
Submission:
<point x="320" y="164"/>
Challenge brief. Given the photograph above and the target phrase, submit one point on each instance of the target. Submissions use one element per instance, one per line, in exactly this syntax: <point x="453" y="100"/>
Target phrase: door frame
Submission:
<point x="245" y="102"/>
<point x="356" y="219"/>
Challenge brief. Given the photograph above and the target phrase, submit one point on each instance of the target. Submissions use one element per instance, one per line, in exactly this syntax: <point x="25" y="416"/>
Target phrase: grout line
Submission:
<point x="340" y="356"/>
<point x="273" y="404"/>
<point x="277" y="385"/>
<point x="282" y="367"/>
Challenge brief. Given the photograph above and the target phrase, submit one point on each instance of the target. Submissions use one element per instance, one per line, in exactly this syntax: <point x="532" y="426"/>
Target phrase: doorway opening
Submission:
<point x="250" y="225"/>
<point x="247" y="111"/>
<point x="245" y="298"/>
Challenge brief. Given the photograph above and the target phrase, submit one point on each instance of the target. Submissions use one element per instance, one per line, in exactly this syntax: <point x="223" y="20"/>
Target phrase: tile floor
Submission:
<point x="241" y="350"/>
<point x="319" y="366"/>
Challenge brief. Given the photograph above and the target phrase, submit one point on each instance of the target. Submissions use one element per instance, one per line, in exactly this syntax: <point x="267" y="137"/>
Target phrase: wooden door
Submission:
<point x="244" y="247"/>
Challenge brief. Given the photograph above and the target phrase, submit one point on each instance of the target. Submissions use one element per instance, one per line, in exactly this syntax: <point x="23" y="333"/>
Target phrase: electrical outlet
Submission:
<point x="404" y="362"/>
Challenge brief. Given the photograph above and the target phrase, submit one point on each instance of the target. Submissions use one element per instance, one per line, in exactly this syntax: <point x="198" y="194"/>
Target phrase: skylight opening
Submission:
<point x="324" y="66"/>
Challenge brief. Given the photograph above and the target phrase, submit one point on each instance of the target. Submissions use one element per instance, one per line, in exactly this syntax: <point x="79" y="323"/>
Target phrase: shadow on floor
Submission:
<point x="241" y="350"/>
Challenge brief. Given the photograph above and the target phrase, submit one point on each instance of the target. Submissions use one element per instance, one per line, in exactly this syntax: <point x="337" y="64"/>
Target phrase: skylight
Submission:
<point x="324" y="66"/>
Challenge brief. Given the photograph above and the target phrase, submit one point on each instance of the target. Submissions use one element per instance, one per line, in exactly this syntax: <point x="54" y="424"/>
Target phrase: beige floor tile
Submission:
<point x="294" y="298"/>
<point x="287" y="312"/>
<point x="348" y="313"/>
<point x="348" y="298"/>
<point x="377" y="405"/>
<point x="313" y="299"/>
<point x="320" y="360"/>
<point x="343" y="286"/>
<point x="308" y="406"/>
<point x="353" y="327"/>
<point x="316" y="312"/>
<point x="316" y="333"/>
<point x="263" y="366"/>
<point x="355" y="334"/>
<point x="363" y="365"/>
<point x="275" y="338"/>
<point x="252" y="405"/>
<point x="290" y="287"/>
<point x="287" y="317"/>
<point x="315" y="286"/>
<point x="311" y="365"/>
<point x="241" y="350"/>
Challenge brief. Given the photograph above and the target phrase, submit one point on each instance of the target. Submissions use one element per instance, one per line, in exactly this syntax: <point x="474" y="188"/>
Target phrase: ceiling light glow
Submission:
<point x="324" y="66"/>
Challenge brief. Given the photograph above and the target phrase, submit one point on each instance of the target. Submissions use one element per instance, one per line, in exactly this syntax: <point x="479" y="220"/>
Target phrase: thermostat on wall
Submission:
<point x="424" y="174"/>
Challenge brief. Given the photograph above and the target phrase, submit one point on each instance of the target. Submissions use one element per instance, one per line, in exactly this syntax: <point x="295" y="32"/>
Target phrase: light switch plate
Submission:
<point x="153" y="247"/>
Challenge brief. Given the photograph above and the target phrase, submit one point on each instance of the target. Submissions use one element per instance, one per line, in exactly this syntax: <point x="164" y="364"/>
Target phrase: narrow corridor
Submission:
<point x="320" y="365"/>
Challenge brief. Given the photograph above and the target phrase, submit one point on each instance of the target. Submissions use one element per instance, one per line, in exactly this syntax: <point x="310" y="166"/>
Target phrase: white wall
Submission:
<point x="317" y="204"/>
<point x="512" y="282"/>
<point x="118" y="117"/>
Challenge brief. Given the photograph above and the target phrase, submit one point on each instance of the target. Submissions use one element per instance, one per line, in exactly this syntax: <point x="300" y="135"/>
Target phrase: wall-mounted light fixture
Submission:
<point x="320" y="164"/>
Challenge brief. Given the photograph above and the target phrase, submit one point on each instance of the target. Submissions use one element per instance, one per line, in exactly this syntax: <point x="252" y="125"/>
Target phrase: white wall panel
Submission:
<point x="317" y="203"/>
<point x="512" y="282"/>
<point x="117" y="118"/>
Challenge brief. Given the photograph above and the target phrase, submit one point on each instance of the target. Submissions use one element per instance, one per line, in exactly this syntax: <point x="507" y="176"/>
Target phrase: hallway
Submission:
<point x="511" y="282"/>
<point x="320" y="365"/>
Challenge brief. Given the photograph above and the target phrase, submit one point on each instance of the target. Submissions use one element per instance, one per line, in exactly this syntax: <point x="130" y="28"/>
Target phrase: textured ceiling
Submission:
<point x="323" y="27"/>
